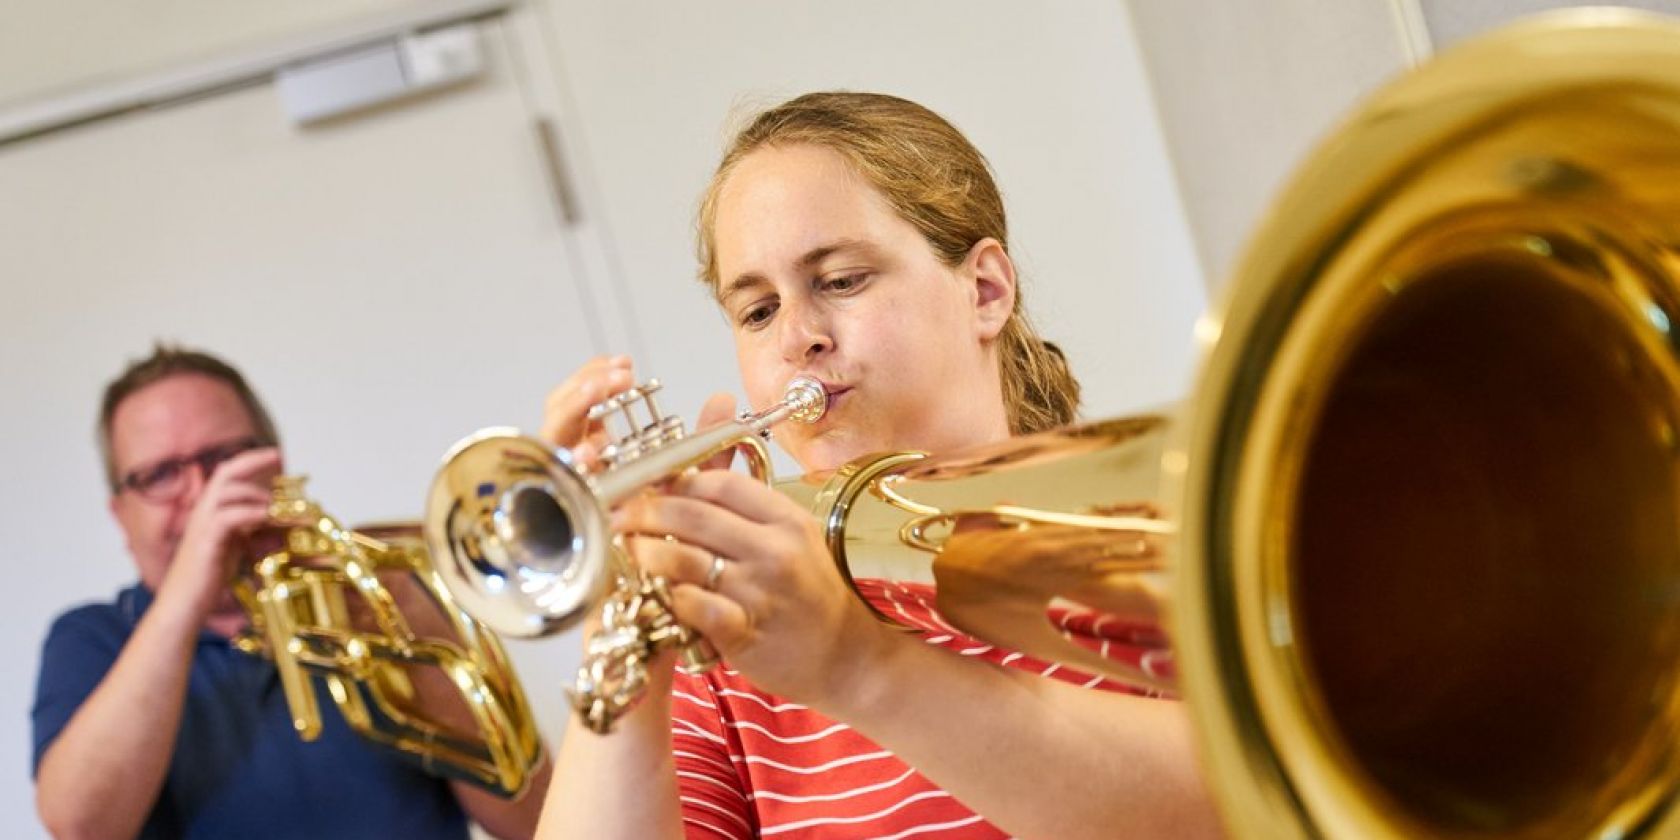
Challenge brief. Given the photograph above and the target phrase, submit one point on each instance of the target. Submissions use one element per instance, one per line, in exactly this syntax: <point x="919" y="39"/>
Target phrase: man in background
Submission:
<point x="147" y="721"/>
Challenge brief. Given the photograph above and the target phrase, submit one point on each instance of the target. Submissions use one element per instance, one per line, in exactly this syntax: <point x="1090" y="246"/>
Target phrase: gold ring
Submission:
<point x="715" y="572"/>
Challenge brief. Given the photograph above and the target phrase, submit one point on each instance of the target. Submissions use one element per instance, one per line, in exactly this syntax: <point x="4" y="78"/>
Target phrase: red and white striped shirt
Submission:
<point x="752" y="765"/>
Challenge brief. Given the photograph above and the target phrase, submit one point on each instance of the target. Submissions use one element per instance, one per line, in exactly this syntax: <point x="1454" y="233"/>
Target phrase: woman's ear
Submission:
<point x="992" y="272"/>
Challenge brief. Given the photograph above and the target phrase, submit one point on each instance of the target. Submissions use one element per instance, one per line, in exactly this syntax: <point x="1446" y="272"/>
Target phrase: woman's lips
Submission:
<point x="834" y="394"/>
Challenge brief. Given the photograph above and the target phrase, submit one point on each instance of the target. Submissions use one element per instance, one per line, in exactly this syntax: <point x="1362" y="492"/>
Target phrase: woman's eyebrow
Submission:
<point x="823" y="252"/>
<point x="743" y="283"/>
<point x="752" y="279"/>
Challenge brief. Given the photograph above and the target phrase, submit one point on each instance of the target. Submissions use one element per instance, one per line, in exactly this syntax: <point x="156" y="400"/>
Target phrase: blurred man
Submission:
<point x="147" y="721"/>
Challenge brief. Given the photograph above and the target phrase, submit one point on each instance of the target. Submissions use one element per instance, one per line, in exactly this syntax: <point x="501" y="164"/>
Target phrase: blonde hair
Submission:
<point x="937" y="181"/>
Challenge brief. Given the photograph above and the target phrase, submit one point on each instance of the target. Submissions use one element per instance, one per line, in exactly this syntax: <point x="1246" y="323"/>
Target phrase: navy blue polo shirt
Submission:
<point x="239" y="769"/>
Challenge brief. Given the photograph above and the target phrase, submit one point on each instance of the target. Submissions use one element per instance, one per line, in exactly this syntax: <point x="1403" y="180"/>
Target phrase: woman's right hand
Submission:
<point x="566" y="420"/>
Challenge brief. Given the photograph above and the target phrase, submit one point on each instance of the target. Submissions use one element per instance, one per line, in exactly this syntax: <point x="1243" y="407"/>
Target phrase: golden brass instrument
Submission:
<point x="522" y="540"/>
<point x="1416" y="532"/>
<point x="1426" y="490"/>
<point x="364" y="613"/>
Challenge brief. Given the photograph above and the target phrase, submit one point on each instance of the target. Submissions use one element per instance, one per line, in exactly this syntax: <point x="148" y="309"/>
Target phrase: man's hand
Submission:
<point x="233" y="505"/>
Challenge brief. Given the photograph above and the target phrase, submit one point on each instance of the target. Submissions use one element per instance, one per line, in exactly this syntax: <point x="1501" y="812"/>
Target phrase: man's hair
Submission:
<point x="164" y="362"/>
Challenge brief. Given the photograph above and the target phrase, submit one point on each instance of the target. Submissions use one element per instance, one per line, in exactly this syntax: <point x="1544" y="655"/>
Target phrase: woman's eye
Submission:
<point x="757" y="315"/>
<point x="844" y="284"/>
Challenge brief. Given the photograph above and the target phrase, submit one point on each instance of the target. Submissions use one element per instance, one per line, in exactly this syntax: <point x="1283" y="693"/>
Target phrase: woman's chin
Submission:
<point x="831" y="451"/>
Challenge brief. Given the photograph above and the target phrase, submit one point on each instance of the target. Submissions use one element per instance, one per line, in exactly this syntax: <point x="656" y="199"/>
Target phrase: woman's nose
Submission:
<point x="805" y="335"/>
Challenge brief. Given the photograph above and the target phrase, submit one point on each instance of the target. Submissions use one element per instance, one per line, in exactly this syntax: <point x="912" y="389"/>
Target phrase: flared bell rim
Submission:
<point x="477" y="547"/>
<point x="1217" y="622"/>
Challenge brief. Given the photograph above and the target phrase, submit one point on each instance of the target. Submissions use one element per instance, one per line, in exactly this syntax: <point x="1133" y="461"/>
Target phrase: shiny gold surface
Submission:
<point x="1062" y="518"/>
<point x="1426" y="583"/>
<point x="1416" y="532"/>
<point x="363" y="614"/>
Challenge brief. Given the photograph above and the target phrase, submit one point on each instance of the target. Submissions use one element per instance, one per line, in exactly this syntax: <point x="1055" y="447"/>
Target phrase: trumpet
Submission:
<point x="325" y="606"/>
<point x="521" y="536"/>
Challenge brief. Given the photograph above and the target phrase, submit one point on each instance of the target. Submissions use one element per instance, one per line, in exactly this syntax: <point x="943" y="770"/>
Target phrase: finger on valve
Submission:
<point x="566" y="410"/>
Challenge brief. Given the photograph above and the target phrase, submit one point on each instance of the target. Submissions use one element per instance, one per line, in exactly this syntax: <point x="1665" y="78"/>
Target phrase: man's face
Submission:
<point x="177" y="417"/>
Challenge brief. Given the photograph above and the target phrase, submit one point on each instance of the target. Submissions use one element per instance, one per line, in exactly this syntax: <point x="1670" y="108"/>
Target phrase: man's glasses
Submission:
<point x="166" y="480"/>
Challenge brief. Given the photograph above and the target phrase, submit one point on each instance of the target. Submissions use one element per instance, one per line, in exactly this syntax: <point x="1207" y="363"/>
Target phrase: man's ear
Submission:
<point x="991" y="270"/>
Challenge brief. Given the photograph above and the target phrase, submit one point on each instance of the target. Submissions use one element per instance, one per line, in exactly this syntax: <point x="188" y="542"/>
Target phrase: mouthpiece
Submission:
<point x="806" y="399"/>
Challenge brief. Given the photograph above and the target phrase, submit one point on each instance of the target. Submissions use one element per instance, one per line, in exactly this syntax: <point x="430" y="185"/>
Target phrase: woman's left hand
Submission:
<point x="777" y="610"/>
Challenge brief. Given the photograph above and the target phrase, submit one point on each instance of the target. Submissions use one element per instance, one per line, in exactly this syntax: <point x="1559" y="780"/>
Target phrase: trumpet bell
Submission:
<point x="1428" y="486"/>
<point x="520" y="538"/>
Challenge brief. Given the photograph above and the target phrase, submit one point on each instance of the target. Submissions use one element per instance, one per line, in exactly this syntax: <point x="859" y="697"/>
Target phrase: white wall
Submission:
<point x="50" y="46"/>
<point x="1451" y="21"/>
<point x="394" y="280"/>
<point x="1246" y="89"/>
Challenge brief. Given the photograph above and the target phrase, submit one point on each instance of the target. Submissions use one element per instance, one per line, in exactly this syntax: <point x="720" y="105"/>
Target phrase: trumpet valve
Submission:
<point x="638" y="436"/>
<point x="288" y="504"/>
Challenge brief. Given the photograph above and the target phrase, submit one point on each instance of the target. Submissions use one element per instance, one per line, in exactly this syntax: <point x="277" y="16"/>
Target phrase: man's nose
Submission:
<point x="193" y="478"/>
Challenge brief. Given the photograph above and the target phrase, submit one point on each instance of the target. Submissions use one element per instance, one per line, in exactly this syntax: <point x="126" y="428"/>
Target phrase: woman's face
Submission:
<point x="819" y="276"/>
